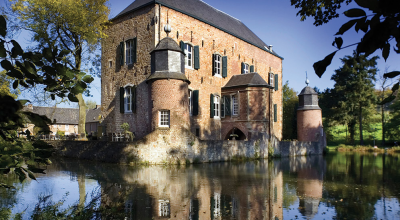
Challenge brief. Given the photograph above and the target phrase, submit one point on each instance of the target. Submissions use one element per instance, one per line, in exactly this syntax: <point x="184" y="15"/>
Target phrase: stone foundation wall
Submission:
<point x="298" y="148"/>
<point x="160" y="147"/>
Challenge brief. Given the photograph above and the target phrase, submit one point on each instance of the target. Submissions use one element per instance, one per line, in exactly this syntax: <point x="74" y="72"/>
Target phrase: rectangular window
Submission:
<point x="271" y="79"/>
<point x="235" y="105"/>
<point x="189" y="56"/>
<point x="66" y="127"/>
<point x="217" y="65"/>
<point x="245" y="68"/>
<point x="59" y="126"/>
<point x="128" y="51"/>
<point x="128" y="99"/>
<point x="216" y="107"/>
<point x="190" y="103"/>
<point x="164" y="118"/>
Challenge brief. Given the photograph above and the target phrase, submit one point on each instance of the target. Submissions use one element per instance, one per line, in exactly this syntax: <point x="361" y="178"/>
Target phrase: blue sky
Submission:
<point x="299" y="43"/>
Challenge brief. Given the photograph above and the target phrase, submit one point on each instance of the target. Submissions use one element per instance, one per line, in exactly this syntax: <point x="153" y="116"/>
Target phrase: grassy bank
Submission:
<point x="359" y="148"/>
<point x="339" y="134"/>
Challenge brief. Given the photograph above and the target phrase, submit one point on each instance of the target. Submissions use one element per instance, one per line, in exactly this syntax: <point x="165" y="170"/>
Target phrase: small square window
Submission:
<point x="59" y="126"/>
<point x="164" y="118"/>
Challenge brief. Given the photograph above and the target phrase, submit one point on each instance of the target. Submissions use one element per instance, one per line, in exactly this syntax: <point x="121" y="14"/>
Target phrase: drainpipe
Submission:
<point x="159" y="22"/>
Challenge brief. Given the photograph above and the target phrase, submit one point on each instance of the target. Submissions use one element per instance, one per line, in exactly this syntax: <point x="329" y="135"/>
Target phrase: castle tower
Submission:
<point x="309" y="116"/>
<point x="169" y="87"/>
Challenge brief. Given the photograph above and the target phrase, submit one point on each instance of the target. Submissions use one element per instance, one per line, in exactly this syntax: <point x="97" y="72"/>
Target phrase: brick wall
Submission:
<point x="309" y="125"/>
<point x="170" y="95"/>
<point x="141" y="24"/>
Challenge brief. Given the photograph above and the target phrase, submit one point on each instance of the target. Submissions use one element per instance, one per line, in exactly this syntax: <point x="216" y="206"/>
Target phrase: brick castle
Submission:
<point x="211" y="75"/>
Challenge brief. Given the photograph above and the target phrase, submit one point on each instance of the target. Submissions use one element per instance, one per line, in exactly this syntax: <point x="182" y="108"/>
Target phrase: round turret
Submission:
<point x="309" y="116"/>
<point x="169" y="87"/>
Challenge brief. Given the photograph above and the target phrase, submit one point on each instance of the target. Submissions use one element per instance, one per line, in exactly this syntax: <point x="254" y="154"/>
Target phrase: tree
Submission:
<point x="354" y="88"/>
<point x="290" y="103"/>
<point x="73" y="25"/>
<point x="380" y="27"/>
<point x="29" y="69"/>
<point x="5" y="85"/>
<point x="392" y="127"/>
<point x="91" y="104"/>
<point x="382" y="94"/>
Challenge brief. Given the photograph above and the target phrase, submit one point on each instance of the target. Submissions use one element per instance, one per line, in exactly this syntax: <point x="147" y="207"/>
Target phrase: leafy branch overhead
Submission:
<point x="379" y="20"/>
<point x="29" y="69"/>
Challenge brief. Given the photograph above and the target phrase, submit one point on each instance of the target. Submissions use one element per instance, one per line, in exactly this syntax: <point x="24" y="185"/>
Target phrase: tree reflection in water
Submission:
<point x="352" y="186"/>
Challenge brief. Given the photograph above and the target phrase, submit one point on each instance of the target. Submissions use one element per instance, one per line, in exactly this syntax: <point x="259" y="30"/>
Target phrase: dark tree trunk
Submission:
<point x="383" y="125"/>
<point x="361" y="130"/>
<point x="352" y="130"/>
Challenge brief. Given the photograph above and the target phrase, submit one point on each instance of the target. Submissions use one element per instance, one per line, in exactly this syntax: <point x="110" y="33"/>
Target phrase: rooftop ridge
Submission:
<point x="220" y="11"/>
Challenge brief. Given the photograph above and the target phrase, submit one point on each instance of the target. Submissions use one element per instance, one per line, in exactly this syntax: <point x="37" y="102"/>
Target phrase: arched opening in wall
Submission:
<point x="235" y="133"/>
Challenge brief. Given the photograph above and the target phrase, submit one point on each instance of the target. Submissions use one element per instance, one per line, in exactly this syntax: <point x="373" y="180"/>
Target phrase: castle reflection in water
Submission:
<point x="251" y="190"/>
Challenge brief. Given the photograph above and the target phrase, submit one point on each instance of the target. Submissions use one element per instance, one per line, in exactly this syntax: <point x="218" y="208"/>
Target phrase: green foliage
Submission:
<point x="290" y="104"/>
<point x="125" y="126"/>
<point x="24" y="158"/>
<point x="91" y="104"/>
<point x="61" y="133"/>
<point x="378" y="20"/>
<point x="392" y="129"/>
<point x="29" y="69"/>
<point x="74" y="26"/>
<point x="353" y="95"/>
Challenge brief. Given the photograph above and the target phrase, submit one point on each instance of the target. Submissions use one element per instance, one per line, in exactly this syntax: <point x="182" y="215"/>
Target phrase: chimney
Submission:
<point x="97" y="106"/>
<point x="270" y="47"/>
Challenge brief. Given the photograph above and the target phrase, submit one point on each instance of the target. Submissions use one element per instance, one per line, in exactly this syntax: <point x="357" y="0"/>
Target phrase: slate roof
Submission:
<point x="62" y="115"/>
<point x="167" y="43"/>
<point x="65" y="115"/>
<point x="207" y="14"/>
<point x="249" y="80"/>
<point x="308" y="90"/>
<point x="92" y="115"/>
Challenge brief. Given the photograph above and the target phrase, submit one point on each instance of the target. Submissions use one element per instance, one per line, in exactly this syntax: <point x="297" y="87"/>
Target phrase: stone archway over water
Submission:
<point x="235" y="132"/>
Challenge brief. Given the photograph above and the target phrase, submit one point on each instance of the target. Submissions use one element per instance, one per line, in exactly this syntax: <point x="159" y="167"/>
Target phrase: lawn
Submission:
<point x="340" y="134"/>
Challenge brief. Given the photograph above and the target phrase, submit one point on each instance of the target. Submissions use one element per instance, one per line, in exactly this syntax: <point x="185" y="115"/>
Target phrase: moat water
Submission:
<point x="337" y="186"/>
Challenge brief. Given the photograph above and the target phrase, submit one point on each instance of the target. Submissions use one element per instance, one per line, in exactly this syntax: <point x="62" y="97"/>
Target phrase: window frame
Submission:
<point x="190" y="104"/>
<point x="233" y="104"/>
<point x="128" y="99"/>
<point x="217" y="106"/>
<point x="271" y="79"/>
<point x="246" y="68"/>
<point x="128" y="50"/>
<point x="66" y="127"/>
<point x="164" y="123"/>
<point x="187" y="54"/>
<point x="217" y="65"/>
